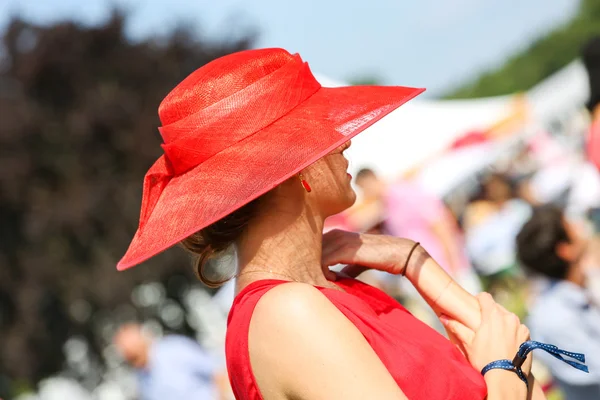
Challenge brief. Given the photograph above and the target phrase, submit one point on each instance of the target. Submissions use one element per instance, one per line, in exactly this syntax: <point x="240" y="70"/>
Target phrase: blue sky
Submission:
<point x="427" y="43"/>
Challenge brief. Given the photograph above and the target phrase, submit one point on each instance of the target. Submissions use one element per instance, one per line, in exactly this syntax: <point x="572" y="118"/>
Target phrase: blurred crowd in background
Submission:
<point x="78" y="105"/>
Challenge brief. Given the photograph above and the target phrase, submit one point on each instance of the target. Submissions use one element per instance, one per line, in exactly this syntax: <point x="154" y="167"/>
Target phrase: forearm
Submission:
<point x="440" y="291"/>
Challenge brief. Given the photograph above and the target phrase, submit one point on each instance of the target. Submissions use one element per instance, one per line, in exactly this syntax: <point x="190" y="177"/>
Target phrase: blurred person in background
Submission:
<point x="254" y="161"/>
<point x="551" y="168"/>
<point x="565" y="177"/>
<point x="563" y="313"/>
<point x="492" y="224"/>
<point x="407" y="210"/>
<point x="171" y="367"/>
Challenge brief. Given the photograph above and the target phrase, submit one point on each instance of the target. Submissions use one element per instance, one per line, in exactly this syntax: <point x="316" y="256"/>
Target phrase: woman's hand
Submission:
<point x="498" y="336"/>
<point x="389" y="254"/>
<point x="364" y="251"/>
<point x="463" y="313"/>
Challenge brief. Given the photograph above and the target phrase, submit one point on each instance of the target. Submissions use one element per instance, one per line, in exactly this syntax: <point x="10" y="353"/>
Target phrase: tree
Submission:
<point x="78" y="131"/>
<point x="541" y="59"/>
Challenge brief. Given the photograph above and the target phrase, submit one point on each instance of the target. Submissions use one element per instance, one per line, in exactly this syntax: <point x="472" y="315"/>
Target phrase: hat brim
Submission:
<point x="243" y="172"/>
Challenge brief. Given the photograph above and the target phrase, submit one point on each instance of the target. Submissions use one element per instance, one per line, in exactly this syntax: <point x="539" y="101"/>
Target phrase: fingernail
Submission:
<point x="443" y="319"/>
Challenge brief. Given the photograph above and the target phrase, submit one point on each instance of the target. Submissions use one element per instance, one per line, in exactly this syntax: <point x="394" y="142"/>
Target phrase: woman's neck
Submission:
<point x="283" y="244"/>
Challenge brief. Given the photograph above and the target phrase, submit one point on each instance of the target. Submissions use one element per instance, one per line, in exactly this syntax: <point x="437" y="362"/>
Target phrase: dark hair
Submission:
<point x="215" y="239"/>
<point x="537" y="241"/>
<point x="364" y="173"/>
<point x="499" y="177"/>
<point x="591" y="61"/>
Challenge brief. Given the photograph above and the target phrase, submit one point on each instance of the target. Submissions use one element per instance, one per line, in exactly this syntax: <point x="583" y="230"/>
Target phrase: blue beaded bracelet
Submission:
<point x="529" y="346"/>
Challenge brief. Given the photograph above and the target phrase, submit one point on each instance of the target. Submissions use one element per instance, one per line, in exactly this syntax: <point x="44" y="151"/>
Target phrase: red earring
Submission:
<point x="305" y="184"/>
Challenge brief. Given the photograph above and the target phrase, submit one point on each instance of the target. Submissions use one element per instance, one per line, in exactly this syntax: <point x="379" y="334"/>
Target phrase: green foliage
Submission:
<point x="366" y="80"/>
<point x="541" y="59"/>
<point x="77" y="133"/>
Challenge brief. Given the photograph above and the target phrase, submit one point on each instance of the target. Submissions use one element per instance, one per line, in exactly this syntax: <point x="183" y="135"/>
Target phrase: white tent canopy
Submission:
<point x="444" y="174"/>
<point x="565" y="91"/>
<point x="422" y="129"/>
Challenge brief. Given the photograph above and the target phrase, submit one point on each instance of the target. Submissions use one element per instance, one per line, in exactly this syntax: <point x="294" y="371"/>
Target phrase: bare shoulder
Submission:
<point x="296" y="328"/>
<point x="284" y="335"/>
<point x="289" y="313"/>
<point x="288" y="299"/>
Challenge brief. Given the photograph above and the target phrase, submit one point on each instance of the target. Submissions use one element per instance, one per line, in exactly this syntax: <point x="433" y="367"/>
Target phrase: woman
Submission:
<point x="492" y="224"/>
<point x="254" y="162"/>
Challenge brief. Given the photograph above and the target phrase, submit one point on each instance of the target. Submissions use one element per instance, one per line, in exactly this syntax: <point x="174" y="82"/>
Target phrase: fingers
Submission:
<point x="503" y="310"/>
<point x="332" y="242"/>
<point x="524" y="334"/>
<point x="329" y="274"/>
<point x="338" y="255"/>
<point x="335" y="251"/>
<point x="460" y="331"/>
<point x="339" y="247"/>
<point x="336" y="234"/>
<point x="354" y="270"/>
<point x="331" y="234"/>
<point x="491" y="309"/>
<point x="459" y="345"/>
<point x="487" y="305"/>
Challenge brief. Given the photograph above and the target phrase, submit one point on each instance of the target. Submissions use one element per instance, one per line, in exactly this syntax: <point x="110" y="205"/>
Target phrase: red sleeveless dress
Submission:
<point x="423" y="363"/>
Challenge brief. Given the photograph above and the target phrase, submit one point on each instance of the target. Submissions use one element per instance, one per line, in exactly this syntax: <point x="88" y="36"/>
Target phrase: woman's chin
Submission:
<point x="339" y="198"/>
<point x="348" y="200"/>
<point x="352" y="196"/>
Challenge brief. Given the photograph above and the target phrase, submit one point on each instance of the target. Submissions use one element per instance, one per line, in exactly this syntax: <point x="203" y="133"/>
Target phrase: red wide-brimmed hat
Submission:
<point x="235" y="129"/>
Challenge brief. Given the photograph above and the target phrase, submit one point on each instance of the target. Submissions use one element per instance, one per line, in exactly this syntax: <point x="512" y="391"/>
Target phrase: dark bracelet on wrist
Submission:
<point x="410" y="253"/>
<point x="525" y="349"/>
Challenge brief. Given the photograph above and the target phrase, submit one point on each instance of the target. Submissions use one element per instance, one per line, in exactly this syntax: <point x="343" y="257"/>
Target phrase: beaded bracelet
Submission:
<point x="529" y="346"/>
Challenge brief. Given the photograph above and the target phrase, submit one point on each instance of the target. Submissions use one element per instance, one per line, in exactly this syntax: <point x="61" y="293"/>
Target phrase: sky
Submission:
<point x="436" y="44"/>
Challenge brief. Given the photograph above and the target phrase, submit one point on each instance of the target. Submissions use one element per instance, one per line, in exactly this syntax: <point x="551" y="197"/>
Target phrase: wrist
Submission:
<point x="414" y="260"/>
<point x="503" y="384"/>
